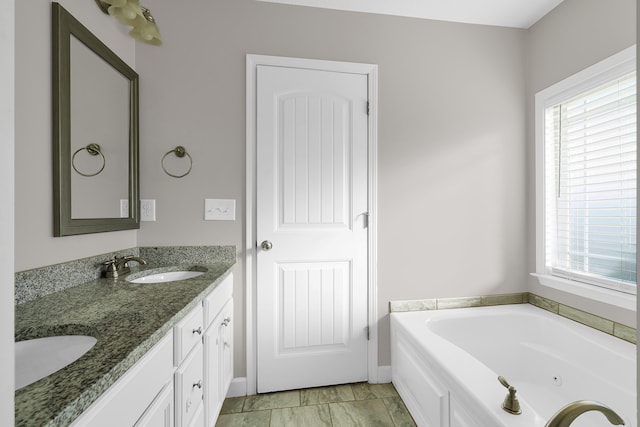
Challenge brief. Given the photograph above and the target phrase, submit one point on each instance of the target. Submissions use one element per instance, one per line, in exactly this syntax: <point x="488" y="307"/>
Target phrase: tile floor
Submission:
<point x="361" y="404"/>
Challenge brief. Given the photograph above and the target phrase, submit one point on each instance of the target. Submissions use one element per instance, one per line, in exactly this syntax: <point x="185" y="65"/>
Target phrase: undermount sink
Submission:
<point x="41" y="357"/>
<point x="168" y="276"/>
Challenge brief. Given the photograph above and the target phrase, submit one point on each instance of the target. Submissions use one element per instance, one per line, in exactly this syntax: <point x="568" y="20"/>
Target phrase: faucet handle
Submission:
<point x="511" y="403"/>
<point x="503" y="381"/>
<point x="110" y="267"/>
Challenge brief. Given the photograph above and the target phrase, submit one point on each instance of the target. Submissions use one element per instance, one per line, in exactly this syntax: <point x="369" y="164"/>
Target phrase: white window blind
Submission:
<point x="590" y="185"/>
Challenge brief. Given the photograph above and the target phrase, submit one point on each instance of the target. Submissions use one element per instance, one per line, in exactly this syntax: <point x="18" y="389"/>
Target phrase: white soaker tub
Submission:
<point x="445" y="365"/>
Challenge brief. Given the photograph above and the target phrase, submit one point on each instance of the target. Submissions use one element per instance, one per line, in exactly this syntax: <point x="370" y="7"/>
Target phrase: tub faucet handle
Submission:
<point x="510" y="403"/>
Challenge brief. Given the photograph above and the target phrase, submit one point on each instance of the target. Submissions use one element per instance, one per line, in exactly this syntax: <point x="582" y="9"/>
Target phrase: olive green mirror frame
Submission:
<point x="64" y="27"/>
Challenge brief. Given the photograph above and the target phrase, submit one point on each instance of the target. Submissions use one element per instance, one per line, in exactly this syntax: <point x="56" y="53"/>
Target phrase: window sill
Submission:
<point x="607" y="296"/>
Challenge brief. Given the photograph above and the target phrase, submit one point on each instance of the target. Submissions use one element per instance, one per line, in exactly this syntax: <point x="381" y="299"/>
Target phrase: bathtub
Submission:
<point x="445" y="365"/>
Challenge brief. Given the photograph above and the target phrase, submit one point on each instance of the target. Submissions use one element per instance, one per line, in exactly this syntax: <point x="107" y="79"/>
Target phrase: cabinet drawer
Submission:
<point x="189" y="388"/>
<point x="187" y="333"/>
<point x="214" y="302"/>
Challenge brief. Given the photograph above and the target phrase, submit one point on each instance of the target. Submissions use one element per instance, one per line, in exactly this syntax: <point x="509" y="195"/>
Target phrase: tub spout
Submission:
<point x="565" y="416"/>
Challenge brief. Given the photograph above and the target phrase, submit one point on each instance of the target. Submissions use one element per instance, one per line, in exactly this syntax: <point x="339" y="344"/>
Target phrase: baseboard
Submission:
<point x="384" y="374"/>
<point x="238" y="387"/>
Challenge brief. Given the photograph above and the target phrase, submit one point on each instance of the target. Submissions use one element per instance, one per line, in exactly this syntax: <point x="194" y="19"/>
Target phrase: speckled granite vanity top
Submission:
<point x="126" y="318"/>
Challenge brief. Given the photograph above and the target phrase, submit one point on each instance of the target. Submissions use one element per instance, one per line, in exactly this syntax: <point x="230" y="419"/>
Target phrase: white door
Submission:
<point x="311" y="228"/>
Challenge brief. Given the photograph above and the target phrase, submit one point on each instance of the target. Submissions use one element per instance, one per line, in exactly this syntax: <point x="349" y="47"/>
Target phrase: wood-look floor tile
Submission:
<point x="232" y="405"/>
<point x="363" y="391"/>
<point x="307" y="416"/>
<point x="284" y="399"/>
<point x="360" y="413"/>
<point x="399" y="412"/>
<point x="245" y="419"/>
<point x="316" y="396"/>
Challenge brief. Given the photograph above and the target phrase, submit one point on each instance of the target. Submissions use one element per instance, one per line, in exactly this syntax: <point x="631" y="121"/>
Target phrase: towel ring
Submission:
<point x="180" y="152"/>
<point x="94" y="150"/>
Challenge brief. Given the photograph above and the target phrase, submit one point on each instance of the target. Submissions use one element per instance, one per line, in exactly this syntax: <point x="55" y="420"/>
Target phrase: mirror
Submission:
<point x="95" y="133"/>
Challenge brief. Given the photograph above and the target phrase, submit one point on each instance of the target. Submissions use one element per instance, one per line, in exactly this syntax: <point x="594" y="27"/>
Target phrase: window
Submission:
<point x="586" y="176"/>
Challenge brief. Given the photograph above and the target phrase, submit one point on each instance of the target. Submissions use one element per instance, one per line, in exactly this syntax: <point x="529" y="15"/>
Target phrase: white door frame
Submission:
<point x="371" y="71"/>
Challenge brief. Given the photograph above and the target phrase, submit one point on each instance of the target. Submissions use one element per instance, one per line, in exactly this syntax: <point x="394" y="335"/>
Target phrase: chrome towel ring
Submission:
<point x="94" y="150"/>
<point x="180" y="152"/>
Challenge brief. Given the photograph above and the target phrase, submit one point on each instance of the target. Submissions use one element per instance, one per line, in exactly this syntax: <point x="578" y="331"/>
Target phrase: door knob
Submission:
<point x="266" y="245"/>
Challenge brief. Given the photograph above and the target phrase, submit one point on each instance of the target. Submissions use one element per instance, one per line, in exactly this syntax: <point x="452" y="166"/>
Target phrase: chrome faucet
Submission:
<point x="565" y="416"/>
<point x="119" y="265"/>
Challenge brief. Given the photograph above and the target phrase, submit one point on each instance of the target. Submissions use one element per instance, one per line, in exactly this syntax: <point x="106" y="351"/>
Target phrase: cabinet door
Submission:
<point x="226" y="348"/>
<point x="188" y="387"/>
<point x="214" y="302"/>
<point x="198" y="418"/>
<point x="212" y="399"/>
<point x="160" y="413"/>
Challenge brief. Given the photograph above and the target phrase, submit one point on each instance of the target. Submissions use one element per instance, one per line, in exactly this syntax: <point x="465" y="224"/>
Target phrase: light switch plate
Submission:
<point x="219" y="210"/>
<point x="147" y="210"/>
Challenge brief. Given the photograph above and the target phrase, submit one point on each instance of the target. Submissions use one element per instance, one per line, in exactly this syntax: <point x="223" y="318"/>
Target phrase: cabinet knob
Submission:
<point x="198" y="331"/>
<point x="226" y="321"/>
<point x="198" y="384"/>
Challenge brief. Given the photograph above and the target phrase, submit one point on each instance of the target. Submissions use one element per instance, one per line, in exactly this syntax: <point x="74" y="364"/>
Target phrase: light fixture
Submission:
<point x="130" y="12"/>
<point x="148" y="31"/>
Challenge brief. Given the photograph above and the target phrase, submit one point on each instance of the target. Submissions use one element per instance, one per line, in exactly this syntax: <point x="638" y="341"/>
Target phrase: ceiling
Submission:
<point x="503" y="13"/>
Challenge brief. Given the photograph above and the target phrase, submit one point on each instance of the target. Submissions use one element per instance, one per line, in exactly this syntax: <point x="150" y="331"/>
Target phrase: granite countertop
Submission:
<point x="126" y="318"/>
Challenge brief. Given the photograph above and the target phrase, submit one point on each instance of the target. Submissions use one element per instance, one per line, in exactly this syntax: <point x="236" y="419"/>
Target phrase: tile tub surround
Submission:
<point x="35" y="283"/>
<point x="461" y="302"/>
<point x="358" y="404"/>
<point x="126" y="318"/>
<point x="610" y="327"/>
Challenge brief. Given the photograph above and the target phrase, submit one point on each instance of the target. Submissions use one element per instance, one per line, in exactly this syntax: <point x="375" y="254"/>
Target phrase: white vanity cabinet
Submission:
<point x="204" y="366"/>
<point x="160" y="413"/>
<point x="188" y="378"/>
<point x="169" y="386"/>
<point x="188" y="388"/>
<point x="218" y="349"/>
<point x="139" y="395"/>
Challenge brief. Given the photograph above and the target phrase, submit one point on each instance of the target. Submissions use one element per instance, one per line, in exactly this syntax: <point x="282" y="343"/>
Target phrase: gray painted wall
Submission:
<point x="452" y="146"/>
<point x="575" y="35"/>
<point x="35" y="245"/>
<point x="455" y="148"/>
<point x="7" y="115"/>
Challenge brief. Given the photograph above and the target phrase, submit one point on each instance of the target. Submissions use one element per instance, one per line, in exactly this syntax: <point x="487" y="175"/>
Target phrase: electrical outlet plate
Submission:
<point x="219" y="210"/>
<point x="124" y="208"/>
<point x="147" y="210"/>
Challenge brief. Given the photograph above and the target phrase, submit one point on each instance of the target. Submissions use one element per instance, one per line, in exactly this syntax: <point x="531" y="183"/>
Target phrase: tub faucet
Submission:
<point x="565" y="416"/>
<point x="510" y="403"/>
<point x="119" y="265"/>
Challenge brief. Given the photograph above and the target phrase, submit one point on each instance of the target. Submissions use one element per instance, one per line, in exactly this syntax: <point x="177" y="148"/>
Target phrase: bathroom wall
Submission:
<point x="451" y="138"/>
<point x="35" y="245"/>
<point x="575" y="35"/>
<point x="455" y="149"/>
<point x="7" y="75"/>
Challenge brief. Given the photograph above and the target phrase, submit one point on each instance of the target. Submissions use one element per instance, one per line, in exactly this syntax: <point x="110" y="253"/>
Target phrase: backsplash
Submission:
<point x="188" y="254"/>
<point x="37" y="282"/>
